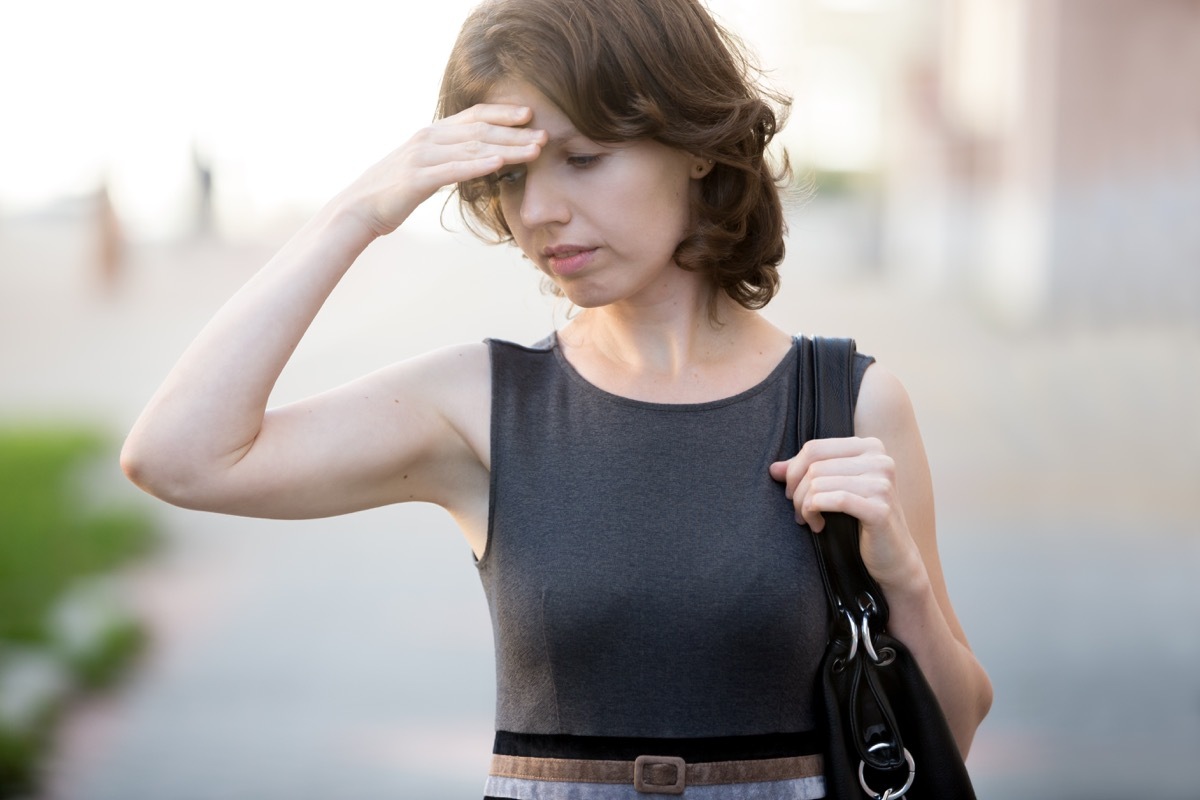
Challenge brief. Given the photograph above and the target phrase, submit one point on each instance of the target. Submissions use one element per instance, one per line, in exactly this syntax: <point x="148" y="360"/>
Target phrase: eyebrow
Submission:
<point x="559" y="140"/>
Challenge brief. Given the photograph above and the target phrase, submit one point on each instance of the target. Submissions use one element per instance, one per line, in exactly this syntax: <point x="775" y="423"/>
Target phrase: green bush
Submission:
<point x="51" y="532"/>
<point x="18" y="758"/>
<point x="57" y="540"/>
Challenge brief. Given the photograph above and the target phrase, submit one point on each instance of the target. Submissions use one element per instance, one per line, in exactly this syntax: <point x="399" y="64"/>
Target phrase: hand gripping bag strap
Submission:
<point x="878" y="708"/>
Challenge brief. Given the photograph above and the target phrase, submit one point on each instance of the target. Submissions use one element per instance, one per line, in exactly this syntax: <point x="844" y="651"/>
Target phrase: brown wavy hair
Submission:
<point x="623" y="70"/>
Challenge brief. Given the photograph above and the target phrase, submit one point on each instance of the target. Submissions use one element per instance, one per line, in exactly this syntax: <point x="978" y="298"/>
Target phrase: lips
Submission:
<point x="564" y="260"/>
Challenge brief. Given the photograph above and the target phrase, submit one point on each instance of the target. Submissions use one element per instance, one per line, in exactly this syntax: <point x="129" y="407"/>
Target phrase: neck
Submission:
<point x="681" y="350"/>
<point x="668" y="339"/>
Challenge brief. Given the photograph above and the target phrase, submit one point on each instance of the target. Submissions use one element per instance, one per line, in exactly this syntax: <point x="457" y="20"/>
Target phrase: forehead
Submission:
<point x="546" y="114"/>
<point x="517" y="91"/>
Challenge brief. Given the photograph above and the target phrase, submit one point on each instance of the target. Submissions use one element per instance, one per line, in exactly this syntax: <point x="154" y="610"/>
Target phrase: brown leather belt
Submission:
<point x="657" y="774"/>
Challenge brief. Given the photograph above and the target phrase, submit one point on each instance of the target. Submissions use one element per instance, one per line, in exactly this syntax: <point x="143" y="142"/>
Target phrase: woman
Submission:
<point x="630" y="486"/>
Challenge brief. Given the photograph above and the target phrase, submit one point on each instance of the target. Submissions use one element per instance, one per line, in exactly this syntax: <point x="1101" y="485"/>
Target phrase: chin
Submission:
<point x="584" y="303"/>
<point x="580" y="297"/>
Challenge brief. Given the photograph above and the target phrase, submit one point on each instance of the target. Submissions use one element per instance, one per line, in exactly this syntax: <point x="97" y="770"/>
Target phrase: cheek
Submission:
<point x="672" y="208"/>
<point x="674" y="190"/>
<point x="655" y="199"/>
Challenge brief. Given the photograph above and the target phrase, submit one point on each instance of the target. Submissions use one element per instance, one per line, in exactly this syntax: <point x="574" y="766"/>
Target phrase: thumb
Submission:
<point x="778" y="470"/>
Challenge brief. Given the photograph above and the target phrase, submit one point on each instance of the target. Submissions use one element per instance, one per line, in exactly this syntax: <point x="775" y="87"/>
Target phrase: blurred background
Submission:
<point x="997" y="198"/>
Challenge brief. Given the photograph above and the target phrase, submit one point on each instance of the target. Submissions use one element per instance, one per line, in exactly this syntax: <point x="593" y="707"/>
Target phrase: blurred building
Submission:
<point x="1077" y="152"/>
<point x="1042" y="156"/>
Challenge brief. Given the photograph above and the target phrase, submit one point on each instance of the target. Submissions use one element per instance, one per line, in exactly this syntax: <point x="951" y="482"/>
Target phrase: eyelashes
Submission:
<point x="515" y="173"/>
<point x="582" y="162"/>
<point x="508" y="176"/>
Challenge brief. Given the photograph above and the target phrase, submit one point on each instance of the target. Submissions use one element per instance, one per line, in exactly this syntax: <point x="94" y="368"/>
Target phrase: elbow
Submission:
<point x="159" y="476"/>
<point x="983" y="691"/>
<point x="972" y="716"/>
<point x="133" y="464"/>
<point x="143" y="470"/>
<point x="181" y="474"/>
<point x="985" y="696"/>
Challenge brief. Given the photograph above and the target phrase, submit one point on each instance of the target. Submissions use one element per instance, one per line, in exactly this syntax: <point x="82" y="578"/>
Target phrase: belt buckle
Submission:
<point x="653" y="783"/>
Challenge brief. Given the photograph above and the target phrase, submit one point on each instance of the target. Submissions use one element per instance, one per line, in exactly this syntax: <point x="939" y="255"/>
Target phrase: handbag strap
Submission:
<point x="827" y="382"/>
<point x="858" y="610"/>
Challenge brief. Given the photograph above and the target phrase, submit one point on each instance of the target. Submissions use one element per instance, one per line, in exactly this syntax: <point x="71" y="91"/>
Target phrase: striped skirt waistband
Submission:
<point x="773" y="767"/>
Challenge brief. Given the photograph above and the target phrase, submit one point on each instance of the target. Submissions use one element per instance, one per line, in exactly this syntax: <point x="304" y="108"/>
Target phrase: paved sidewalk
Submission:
<point x="351" y="657"/>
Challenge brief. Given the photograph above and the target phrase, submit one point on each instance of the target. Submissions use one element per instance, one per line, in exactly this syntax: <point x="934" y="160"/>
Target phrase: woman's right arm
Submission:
<point x="206" y="439"/>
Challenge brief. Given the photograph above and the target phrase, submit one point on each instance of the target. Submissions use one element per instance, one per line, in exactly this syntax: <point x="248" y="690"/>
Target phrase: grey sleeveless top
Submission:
<point x="645" y="575"/>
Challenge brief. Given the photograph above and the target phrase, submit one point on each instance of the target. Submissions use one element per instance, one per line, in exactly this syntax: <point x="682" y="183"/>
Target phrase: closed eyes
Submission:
<point x="515" y="173"/>
<point x="510" y="175"/>
<point x="582" y="162"/>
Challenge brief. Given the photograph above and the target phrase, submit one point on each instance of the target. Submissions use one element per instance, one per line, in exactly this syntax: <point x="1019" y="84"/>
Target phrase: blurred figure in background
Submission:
<point x="110" y="241"/>
<point x="203" y="172"/>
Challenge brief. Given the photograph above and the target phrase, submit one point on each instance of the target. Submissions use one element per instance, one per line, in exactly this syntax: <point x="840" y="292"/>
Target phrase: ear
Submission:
<point x="701" y="167"/>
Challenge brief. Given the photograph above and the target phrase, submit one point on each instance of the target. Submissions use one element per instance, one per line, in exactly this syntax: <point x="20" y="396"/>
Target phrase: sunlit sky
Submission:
<point x="288" y="102"/>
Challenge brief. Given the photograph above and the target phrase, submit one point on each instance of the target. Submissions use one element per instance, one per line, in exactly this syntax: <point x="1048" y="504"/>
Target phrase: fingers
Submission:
<point x="482" y="126"/>
<point x="852" y="475"/>
<point x="484" y="133"/>
<point x="477" y="142"/>
<point x="865" y="497"/>
<point x="493" y="113"/>
<point x="471" y="144"/>
<point x="855" y="476"/>
<point x="825" y="456"/>
<point x="450" y="172"/>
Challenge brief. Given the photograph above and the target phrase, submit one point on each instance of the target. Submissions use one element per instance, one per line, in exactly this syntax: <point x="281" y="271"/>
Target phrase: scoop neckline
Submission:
<point x="774" y="375"/>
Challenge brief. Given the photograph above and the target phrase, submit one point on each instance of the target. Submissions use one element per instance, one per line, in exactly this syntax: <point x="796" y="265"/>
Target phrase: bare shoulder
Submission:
<point x="442" y="376"/>
<point x="457" y="381"/>
<point x="466" y="364"/>
<point x="884" y="409"/>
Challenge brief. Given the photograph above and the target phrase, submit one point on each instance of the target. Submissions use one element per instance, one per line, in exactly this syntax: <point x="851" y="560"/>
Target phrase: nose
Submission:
<point x="543" y="199"/>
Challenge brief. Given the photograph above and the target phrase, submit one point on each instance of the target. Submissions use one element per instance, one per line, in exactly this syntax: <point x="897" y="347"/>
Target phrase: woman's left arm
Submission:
<point x="881" y="476"/>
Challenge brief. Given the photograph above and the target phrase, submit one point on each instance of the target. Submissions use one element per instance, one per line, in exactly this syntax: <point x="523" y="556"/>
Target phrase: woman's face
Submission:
<point x="602" y="221"/>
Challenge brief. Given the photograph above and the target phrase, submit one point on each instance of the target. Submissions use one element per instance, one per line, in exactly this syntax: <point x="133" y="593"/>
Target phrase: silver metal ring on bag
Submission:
<point x="866" y="640"/>
<point x="853" y="636"/>
<point x="888" y="794"/>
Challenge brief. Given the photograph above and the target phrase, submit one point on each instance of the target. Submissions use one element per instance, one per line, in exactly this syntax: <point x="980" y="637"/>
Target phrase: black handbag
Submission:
<point x="887" y="736"/>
